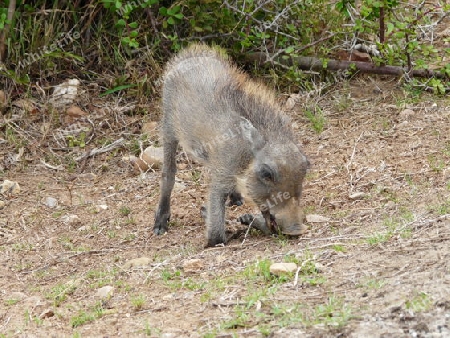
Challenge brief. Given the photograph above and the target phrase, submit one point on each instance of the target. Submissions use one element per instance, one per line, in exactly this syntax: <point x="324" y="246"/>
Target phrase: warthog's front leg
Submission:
<point x="215" y="216"/>
<point x="167" y="182"/>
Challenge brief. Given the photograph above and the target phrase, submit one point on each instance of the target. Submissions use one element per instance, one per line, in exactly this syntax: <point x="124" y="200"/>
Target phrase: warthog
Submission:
<point x="234" y="126"/>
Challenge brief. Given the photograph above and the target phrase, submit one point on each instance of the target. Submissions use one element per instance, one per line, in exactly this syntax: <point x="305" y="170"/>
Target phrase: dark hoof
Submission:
<point x="246" y="219"/>
<point x="161" y="225"/>
<point x="235" y="198"/>
<point x="257" y="223"/>
<point x="212" y="242"/>
<point x="159" y="230"/>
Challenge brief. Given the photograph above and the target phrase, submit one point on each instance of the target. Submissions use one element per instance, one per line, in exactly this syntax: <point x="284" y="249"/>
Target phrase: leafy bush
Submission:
<point x="118" y="36"/>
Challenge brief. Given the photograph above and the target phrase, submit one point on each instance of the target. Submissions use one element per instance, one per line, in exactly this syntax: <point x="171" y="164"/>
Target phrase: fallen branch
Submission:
<point x="316" y="64"/>
<point x="96" y="151"/>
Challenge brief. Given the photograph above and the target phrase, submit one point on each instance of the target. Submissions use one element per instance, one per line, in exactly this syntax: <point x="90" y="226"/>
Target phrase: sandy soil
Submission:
<point x="378" y="266"/>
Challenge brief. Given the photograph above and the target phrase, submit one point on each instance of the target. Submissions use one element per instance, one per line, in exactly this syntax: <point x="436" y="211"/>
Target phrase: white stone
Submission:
<point x="105" y="292"/>
<point x="50" y="202"/>
<point x="282" y="268"/>
<point x="312" y="218"/>
<point x="137" y="262"/>
<point x="9" y="187"/>
<point x="193" y="265"/>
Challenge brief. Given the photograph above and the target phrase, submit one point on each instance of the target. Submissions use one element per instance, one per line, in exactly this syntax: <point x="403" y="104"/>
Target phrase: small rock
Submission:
<point x="170" y="335"/>
<point x="312" y="218"/>
<point x="137" y="262"/>
<point x="73" y="113"/>
<point x="17" y="295"/>
<point x="406" y="113"/>
<point x="70" y="219"/>
<point x="9" y="187"/>
<point x="2" y="204"/>
<point x="193" y="265"/>
<point x="34" y="303"/>
<point x="139" y="166"/>
<point x="290" y="103"/>
<point x="87" y="177"/>
<point x="279" y="269"/>
<point x="50" y="202"/>
<point x="47" y="313"/>
<point x="105" y="292"/>
<point x="178" y="187"/>
<point x="26" y="106"/>
<point x="390" y="205"/>
<point x="153" y="157"/>
<point x="149" y="128"/>
<point x="402" y="125"/>
<point x="357" y="196"/>
<point x="360" y="56"/>
<point x="84" y="228"/>
<point x="101" y="207"/>
<point x="320" y="268"/>
<point x="65" y="93"/>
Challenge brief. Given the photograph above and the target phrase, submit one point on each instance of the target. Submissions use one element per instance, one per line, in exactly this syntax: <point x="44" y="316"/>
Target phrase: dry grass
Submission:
<point x="379" y="266"/>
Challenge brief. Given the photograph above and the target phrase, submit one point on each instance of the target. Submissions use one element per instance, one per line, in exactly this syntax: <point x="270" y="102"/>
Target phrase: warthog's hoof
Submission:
<point x="235" y="198"/>
<point x="293" y="230"/>
<point x="161" y="225"/>
<point x="255" y="222"/>
<point x="159" y="230"/>
<point x="259" y="223"/>
<point x="213" y="241"/>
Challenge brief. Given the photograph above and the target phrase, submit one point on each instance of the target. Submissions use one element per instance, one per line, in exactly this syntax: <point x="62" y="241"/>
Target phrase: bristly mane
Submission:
<point x="252" y="99"/>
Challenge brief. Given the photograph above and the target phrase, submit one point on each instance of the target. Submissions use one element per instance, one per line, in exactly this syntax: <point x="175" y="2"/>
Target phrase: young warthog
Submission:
<point x="234" y="126"/>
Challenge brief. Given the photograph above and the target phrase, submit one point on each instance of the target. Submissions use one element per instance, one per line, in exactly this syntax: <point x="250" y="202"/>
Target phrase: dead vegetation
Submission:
<point x="79" y="258"/>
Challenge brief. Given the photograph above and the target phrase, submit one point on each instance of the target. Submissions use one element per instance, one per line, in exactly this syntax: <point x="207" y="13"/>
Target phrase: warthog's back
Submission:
<point x="205" y="98"/>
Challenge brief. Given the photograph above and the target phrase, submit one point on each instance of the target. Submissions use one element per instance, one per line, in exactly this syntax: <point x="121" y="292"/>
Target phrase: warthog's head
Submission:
<point x="274" y="182"/>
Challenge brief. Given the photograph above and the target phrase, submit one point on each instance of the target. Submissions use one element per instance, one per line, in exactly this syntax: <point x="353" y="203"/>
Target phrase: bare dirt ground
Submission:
<point x="376" y="265"/>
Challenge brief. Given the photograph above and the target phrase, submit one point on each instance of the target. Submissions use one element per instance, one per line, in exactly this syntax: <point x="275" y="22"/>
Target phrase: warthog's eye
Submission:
<point x="266" y="174"/>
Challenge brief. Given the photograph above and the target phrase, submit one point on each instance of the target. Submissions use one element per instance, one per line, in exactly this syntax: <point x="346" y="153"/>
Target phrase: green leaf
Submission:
<point x="121" y="23"/>
<point x="289" y="50"/>
<point x="390" y="27"/>
<point x="163" y="11"/>
<point x="117" y="89"/>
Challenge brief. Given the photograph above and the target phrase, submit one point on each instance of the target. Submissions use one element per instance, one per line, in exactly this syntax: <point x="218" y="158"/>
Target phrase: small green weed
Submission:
<point x="10" y="302"/>
<point x="138" y="302"/>
<point x="151" y="331"/>
<point x="339" y="248"/>
<point x="436" y="164"/>
<point x="84" y="317"/>
<point x="372" y="283"/>
<point x="58" y="294"/>
<point x="419" y="303"/>
<point x="379" y="238"/>
<point x="317" y="120"/>
<point x="124" y="210"/>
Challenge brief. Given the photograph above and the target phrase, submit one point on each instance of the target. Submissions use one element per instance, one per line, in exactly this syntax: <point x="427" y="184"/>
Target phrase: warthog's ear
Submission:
<point x="251" y="134"/>
<point x="305" y="159"/>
